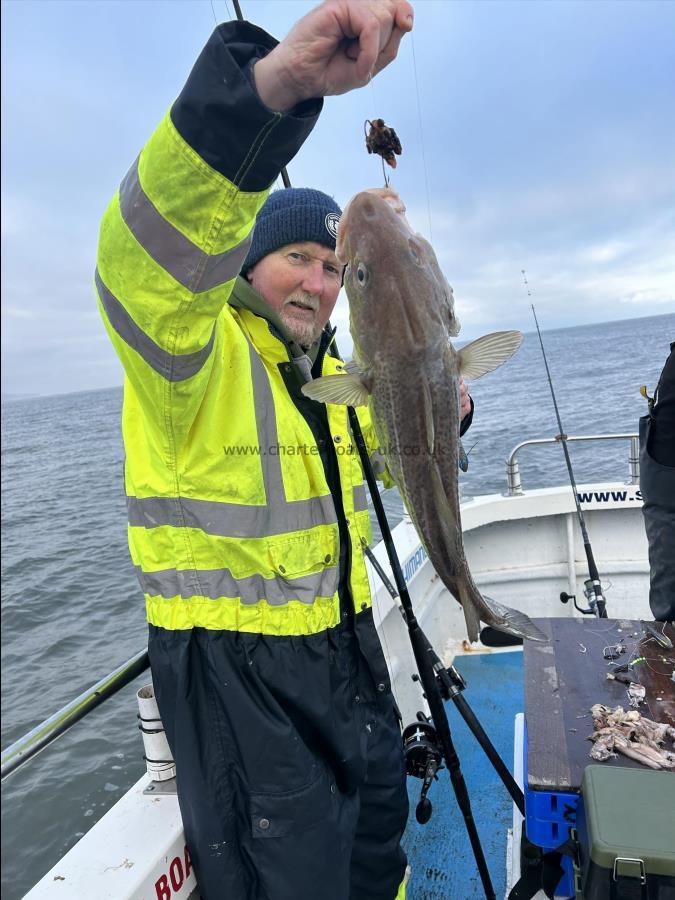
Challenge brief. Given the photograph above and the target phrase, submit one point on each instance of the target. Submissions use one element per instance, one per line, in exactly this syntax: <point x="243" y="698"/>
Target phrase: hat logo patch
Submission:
<point x="332" y="222"/>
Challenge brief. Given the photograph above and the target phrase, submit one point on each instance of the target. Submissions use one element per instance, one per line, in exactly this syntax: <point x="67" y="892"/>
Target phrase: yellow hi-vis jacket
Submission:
<point x="231" y="520"/>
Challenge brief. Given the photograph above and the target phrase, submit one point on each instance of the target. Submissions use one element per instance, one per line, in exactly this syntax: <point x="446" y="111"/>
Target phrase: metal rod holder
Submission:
<point x="634" y="460"/>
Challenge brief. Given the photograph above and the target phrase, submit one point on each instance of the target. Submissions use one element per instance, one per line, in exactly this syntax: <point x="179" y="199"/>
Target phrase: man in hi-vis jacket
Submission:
<point x="246" y="502"/>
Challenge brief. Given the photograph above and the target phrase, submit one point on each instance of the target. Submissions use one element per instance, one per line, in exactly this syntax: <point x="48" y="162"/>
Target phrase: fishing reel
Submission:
<point x="423" y="759"/>
<point x="589" y="594"/>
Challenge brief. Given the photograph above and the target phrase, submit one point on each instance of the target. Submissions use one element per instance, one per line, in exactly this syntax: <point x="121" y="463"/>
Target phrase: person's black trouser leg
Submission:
<point x="288" y="788"/>
<point x="378" y="861"/>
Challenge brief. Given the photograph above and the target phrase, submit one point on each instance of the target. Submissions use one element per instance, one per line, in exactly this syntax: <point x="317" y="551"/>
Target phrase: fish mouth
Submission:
<point x="363" y="214"/>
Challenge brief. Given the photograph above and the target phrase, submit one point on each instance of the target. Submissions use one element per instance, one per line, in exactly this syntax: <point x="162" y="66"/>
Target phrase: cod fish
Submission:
<point x="406" y="370"/>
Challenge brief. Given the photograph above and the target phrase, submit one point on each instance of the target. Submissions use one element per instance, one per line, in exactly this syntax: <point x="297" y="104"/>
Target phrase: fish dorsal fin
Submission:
<point x="488" y="353"/>
<point x="344" y="390"/>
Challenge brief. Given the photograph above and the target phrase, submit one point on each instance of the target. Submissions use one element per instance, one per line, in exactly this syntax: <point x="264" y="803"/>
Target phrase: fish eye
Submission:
<point x="414" y="251"/>
<point x="361" y="274"/>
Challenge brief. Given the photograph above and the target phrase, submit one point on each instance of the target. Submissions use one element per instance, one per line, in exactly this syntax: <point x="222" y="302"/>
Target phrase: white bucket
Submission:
<point x="157" y="755"/>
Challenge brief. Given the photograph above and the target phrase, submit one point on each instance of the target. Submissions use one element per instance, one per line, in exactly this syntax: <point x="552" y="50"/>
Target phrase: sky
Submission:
<point x="537" y="135"/>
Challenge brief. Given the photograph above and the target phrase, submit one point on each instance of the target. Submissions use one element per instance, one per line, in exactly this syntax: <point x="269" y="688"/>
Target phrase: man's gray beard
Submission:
<point x="304" y="334"/>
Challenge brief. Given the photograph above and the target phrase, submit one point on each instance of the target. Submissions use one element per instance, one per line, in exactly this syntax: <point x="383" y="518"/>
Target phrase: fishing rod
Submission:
<point x="423" y="755"/>
<point x="594" y="593"/>
<point x="240" y="16"/>
<point x="28" y="746"/>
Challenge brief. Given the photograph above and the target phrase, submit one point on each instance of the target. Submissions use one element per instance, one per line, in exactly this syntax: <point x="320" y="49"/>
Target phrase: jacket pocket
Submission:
<point x="275" y="815"/>
<point x="305" y="567"/>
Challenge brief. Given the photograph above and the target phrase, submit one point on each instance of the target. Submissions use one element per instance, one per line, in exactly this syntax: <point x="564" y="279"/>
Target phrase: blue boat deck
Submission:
<point x="443" y="865"/>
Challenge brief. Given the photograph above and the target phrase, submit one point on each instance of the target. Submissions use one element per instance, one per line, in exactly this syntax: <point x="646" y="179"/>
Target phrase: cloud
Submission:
<point x="15" y="312"/>
<point x="609" y="251"/>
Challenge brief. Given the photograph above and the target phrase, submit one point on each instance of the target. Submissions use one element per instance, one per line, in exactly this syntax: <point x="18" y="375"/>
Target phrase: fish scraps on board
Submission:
<point x="407" y="372"/>
<point x="632" y="735"/>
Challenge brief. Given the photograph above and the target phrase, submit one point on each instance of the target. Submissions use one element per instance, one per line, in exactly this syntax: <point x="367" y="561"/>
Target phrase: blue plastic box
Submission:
<point x="548" y="819"/>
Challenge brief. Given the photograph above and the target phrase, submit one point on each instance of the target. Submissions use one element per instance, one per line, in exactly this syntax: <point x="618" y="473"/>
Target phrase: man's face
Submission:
<point x="301" y="283"/>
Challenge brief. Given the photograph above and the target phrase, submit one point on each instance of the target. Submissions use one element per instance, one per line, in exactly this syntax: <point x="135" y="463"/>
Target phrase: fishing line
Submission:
<point x="604" y="630"/>
<point x="656" y="671"/>
<point x="215" y="18"/>
<point x="419" y="118"/>
<point x="470" y="450"/>
<point x="594" y="592"/>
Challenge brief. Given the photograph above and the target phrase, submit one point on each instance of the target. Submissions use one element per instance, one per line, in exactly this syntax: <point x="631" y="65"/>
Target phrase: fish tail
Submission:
<point x="478" y="607"/>
<point x="512" y="621"/>
<point x="471" y="615"/>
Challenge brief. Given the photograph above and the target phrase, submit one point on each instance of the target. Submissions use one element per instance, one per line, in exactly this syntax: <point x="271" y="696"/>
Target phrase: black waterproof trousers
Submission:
<point x="289" y="761"/>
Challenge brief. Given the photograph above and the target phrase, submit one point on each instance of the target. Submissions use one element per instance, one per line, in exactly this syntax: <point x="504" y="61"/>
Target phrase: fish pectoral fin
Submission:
<point x="344" y="390"/>
<point x="488" y="353"/>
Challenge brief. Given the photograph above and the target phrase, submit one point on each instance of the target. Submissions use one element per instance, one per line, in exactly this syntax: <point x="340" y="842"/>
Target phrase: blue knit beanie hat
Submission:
<point x="290" y="216"/>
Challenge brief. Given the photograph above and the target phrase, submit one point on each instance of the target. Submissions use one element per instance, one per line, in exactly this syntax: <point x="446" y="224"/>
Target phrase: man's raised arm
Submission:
<point x="176" y="233"/>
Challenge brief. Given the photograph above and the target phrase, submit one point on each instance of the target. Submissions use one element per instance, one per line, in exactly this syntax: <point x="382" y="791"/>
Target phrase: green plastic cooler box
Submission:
<point x="626" y="835"/>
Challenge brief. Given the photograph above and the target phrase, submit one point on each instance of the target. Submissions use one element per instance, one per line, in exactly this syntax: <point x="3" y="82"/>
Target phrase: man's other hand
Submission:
<point x="464" y="400"/>
<point x="335" y="48"/>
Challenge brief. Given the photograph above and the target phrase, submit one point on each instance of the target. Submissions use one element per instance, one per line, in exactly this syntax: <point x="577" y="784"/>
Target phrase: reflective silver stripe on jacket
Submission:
<point x="218" y="583"/>
<point x="231" y="519"/>
<point x="268" y="434"/>
<point x="360" y="498"/>
<point x="173" y="251"/>
<point x="176" y="367"/>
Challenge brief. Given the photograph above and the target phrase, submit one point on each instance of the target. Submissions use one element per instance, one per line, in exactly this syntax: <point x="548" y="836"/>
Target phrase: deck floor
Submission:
<point x="439" y="852"/>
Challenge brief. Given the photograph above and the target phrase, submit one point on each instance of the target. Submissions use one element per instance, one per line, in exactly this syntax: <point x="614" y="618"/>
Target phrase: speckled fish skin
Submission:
<point x="401" y="319"/>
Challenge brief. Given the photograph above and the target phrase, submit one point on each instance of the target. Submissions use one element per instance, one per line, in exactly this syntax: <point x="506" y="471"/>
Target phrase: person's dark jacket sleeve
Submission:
<point x="219" y="114"/>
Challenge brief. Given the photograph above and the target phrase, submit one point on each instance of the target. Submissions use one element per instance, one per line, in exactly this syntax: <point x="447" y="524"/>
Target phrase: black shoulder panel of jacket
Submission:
<point x="467" y="420"/>
<point x="220" y="115"/>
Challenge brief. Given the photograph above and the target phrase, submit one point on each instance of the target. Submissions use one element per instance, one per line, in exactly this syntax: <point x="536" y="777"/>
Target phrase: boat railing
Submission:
<point x="515" y="487"/>
<point x="46" y="732"/>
